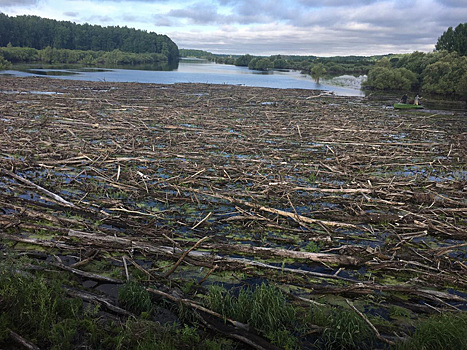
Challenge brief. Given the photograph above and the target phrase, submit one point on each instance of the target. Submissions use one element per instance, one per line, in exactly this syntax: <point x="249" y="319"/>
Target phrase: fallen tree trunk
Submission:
<point x="285" y="253"/>
<point x="30" y="183"/>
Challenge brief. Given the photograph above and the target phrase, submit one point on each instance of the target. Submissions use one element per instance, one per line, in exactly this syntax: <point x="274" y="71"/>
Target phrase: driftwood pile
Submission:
<point x="320" y="195"/>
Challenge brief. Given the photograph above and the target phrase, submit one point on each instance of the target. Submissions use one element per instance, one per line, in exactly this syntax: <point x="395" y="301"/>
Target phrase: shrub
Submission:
<point x="383" y="78"/>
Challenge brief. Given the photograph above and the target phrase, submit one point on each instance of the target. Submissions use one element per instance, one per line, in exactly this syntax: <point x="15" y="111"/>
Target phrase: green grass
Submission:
<point x="264" y="308"/>
<point x="39" y="310"/>
<point x="439" y="332"/>
<point x="133" y="297"/>
<point x="346" y="330"/>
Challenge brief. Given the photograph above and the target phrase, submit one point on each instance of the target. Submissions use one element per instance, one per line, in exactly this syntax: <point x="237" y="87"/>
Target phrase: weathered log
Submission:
<point x="22" y="341"/>
<point x="240" y="331"/>
<point x="184" y="255"/>
<point x="93" y="298"/>
<point x="284" y="253"/>
<point x="30" y="183"/>
<point x="378" y="335"/>
<point x="85" y="274"/>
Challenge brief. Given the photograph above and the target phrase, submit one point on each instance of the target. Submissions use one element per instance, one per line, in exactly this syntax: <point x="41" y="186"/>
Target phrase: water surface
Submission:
<point x="198" y="71"/>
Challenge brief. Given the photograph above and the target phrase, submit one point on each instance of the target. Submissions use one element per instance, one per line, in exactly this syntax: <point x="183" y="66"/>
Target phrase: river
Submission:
<point x="201" y="71"/>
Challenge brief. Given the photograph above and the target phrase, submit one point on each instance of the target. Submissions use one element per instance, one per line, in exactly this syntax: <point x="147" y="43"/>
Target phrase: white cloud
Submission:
<point x="319" y="27"/>
<point x="17" y="3"/>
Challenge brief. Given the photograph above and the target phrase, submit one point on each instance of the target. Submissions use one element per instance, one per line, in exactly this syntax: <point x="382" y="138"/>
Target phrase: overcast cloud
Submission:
<point x="260" y="27"/>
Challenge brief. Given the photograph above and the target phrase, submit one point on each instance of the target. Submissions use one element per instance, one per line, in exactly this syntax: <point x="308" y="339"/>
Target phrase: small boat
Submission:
<point x="407" y="106"/>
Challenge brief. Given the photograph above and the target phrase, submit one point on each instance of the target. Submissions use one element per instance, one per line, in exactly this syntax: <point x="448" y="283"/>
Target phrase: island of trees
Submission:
<point x="27" y="39"/>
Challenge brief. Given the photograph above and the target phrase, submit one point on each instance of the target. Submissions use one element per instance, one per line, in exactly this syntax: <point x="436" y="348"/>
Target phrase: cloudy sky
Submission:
<point x="266" y="27"/>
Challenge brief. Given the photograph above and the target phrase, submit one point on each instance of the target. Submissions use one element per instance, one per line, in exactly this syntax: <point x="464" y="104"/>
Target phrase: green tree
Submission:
<point x="384" y="62"/>
<point x="263" y="64"/>
<point x="454" y="40"/>
<point x="46" y="55"/>
<point x="317" y="71"/>
<point x="243" y="60"/>
<point x="446" y="76"/>
<point x="415" y="62"/>
<point x="383" y="78"/>
<point x="462" y="86"/>
<point x="280" y="63"/>
<point x="4" y="64"/>
<point x="39" y="33"/>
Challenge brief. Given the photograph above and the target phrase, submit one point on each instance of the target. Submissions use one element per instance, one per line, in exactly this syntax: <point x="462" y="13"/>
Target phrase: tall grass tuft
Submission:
<point x="264" y="308"/>
<point x="134" y="298"/>
<point x="346" y="330"/>
<point x="439" y="332"/>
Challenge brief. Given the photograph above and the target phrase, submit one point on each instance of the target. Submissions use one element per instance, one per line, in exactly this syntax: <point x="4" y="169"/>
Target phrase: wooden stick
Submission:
<point x="286" y="253"/>
<point x="205" y="218"/>
<point x="184" y="255"/>
<point x="198" y="307"/>
<point x="126" y="269"/>
<point x="22" y="341"/>
<point x="208" y="274"/>
<point x="378" y="335"/>
<point x="86" y="274"/>
<point x="273" y="210"/>
<point x="47" y="192"/>
<point x="85" y="261"/>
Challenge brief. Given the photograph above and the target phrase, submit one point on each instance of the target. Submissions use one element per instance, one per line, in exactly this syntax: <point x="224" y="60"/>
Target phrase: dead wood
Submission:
<point x="96" y="299"/>
<point x="85" y="274"/>
<point x="296" y="217"/>
<point x="22" y="341"/>
<point x="378" y="335"/>
<point x="185" y="253"/>
<point x="143" y="172"/>
<point x="293" y="254"/>
<point x="240" y="331"/>
<point x="30" y="183"/>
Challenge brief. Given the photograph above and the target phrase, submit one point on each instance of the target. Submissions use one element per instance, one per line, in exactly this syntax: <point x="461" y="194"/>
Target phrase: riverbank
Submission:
<point x="314" y="215"/>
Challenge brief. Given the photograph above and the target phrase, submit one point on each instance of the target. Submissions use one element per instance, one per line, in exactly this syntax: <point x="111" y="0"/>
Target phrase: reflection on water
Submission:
<point x="195" y="71"/>
<point x="52" y="72"/>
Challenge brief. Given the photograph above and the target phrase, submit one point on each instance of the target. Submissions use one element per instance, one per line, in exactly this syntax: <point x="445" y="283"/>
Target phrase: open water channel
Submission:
<point x="202" y="71"/>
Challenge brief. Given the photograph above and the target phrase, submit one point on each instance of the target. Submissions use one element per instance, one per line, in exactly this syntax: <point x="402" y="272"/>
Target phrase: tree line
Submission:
<point x="306" y="64"/>
<point x="49" y="55"/>
<point x="39" y="33"/>
<point x="443" y="71"/>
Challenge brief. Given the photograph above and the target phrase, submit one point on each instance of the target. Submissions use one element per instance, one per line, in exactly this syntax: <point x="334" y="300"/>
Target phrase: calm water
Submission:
<point x="195" y="72"/>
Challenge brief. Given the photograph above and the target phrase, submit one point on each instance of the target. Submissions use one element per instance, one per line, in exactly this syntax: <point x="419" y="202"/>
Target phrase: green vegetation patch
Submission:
<point x="447" y="331"/>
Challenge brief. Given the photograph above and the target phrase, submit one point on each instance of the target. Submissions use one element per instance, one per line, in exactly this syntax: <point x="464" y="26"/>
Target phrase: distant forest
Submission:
<point x="41" y="33"/>
<point x="333" y="65"/>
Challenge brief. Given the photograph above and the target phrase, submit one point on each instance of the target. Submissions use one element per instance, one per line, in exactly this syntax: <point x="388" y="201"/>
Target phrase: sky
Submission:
<point x="268" y="27"/>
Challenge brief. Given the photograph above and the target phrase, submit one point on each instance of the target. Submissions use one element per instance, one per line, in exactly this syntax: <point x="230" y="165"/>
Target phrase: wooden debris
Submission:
<point x="315" y="193"/>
